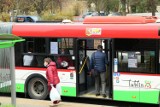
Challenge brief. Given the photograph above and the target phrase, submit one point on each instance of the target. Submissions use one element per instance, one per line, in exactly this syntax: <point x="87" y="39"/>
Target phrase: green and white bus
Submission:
<point x="131" y="44"/>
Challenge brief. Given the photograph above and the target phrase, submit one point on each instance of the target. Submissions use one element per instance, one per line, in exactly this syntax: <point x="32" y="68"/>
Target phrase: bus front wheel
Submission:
<point x="37" y="88"/>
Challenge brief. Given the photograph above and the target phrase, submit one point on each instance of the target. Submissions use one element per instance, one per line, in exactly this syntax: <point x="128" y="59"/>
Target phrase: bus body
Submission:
<point x="131" y="46"/>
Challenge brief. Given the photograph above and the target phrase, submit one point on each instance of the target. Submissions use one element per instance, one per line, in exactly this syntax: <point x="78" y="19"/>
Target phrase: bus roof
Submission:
<point x="119" y="20"/>
<point x="157" y="14"/>
<point x="87" y="30"/>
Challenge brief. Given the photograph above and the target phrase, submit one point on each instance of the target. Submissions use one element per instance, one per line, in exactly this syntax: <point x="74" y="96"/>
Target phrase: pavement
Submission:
<point x="23" y="102"/>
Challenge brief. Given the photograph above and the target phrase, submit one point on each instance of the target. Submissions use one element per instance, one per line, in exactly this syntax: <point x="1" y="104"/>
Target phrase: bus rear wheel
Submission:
<point x="37" y="88"/>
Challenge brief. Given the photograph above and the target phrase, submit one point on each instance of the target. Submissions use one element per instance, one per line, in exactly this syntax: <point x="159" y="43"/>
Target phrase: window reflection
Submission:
<point x="142" y="62"/>
<point x="59" y="50"/>
<point x="136" y="55"/>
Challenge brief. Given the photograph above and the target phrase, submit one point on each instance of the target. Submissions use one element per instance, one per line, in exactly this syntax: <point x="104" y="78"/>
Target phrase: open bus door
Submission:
<point x="85" y="82"/>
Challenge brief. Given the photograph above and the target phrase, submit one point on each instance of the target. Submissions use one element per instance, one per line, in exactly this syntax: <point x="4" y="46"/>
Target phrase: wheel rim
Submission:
<point x="37" y="88"/>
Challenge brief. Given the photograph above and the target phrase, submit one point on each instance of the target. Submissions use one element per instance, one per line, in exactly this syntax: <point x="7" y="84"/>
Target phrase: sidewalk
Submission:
<point x="22" y="102"/>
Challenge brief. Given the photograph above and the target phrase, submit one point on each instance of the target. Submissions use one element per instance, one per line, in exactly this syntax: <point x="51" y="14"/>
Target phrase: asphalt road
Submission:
<point x="23" y="102"/>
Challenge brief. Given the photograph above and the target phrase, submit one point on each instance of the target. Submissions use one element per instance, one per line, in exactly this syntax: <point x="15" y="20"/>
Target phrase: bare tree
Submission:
<point x="59" y="2"/>
<point x="40" y="5"/>
<point x="6" y="5"/>
<point x="128" y="6"/>
<point x="151" y="4"/>
<point x="101" y="5"/>
<point x="123" y="2"/>
<point x="56" y="5"/>
<point x="24" y="6"/>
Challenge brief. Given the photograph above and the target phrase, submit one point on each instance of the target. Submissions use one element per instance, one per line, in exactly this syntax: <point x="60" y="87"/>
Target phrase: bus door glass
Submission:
<point x="81" y="50"/>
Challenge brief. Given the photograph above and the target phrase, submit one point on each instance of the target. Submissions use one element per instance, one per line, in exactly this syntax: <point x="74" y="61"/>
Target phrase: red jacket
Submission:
<point x="52" y="74"/>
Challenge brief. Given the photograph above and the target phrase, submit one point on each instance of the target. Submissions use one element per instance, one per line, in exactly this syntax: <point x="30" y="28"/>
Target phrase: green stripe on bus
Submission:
<point x="149" y="96"/>
<point x="68" y="91"/>
<point x="132" y="96"/>
<point x="20" y="88"/>
<point x="136" y="96"/>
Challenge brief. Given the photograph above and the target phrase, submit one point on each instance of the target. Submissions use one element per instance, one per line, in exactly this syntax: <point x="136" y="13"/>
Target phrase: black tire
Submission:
<point x="37" y="88"/>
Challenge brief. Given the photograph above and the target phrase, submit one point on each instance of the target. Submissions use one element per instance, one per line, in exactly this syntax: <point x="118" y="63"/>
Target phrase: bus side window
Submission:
<point x="64" y="61"/>
<point x="35" y="50"/>
<point x="28" y="58"/>
<point x="32" y="49"/>
<point x="65" y="52"/>
<point x="40" y="60"/>
<point x="18" y="54"/>
<point x="136" y="55"/>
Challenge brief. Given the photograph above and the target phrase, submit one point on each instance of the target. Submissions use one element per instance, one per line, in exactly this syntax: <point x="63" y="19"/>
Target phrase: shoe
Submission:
<point x="56" y="102"/>
<point x="97" y="94"/>
<point x="104" y="95"/>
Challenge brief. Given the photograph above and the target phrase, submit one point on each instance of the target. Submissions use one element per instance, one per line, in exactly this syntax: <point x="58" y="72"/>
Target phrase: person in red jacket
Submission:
<point x="52" y="75"/>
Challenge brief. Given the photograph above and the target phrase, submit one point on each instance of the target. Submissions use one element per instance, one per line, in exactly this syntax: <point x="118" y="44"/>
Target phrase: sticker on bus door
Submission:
<point x="115" y="64"/>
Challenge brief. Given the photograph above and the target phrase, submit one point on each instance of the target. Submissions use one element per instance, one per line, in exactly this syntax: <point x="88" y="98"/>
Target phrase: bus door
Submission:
<point x="81" y="66"/>
<point x="85" y="82"/>
<point x="109" y="50"/>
